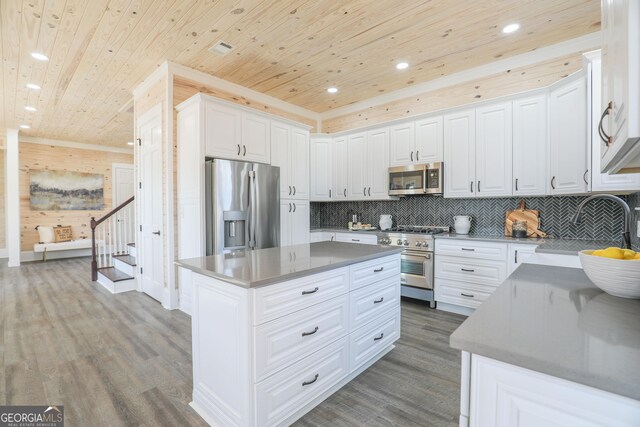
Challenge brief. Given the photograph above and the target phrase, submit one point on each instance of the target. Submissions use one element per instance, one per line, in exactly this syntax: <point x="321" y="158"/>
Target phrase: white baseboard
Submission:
<point x="26" y="256"/>
<point x="457" y="309"/>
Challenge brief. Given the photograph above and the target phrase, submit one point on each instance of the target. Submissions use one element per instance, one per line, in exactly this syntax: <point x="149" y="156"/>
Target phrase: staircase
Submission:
<point x="113" y="257"/>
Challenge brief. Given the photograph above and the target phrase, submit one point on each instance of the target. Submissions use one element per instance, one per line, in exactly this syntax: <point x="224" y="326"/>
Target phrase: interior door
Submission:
<point x="123" y="186"/>
<point x="151" y="248"/>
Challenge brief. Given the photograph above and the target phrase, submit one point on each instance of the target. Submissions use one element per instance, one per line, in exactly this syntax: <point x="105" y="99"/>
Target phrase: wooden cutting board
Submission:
<point x="523" y="214"/>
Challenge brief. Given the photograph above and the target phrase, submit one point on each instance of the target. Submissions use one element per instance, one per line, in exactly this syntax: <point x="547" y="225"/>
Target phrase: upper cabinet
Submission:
<point x="568" y="143"/>
<point x="340" y="169"/>
<point x="416" y="142"/>
<point x="232" y="133"/>
<point x="290" y="152"/>
<point x="493" y="150"/>
<point x="321" y="169"/>
<point x="530" y="146"/>
<point x="459" y="154"/>
<point x="620" y="104"/>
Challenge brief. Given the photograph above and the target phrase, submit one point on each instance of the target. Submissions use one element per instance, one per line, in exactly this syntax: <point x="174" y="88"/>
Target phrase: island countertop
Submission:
<point x="554" y="320"/>
<point x="261" y="267"/>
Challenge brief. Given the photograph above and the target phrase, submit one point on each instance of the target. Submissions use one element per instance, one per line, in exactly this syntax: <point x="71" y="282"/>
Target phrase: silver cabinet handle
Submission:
<point x="294" y="206"/>
<point x="478" y="186"/>
<point x="378" y="270"/>
<point x="289" y="190"/>
<point x="472" y="186"/>
<point x="515" y="258"/>
<point x="329" y="193"/>
<point x="244" y="148"/>
<point x="289" y="207"/>
<point x="332" y="238"/>
<point x="418" y="155"/>
<point x="294" y="190"/>
<point x="369" y="191"/>
<point x="467" y="270"/>
<point x="378" y="301"/>
<point x="345" y="192"/>
<point x="312" y="381"/>
<point x="380" y="337"/>
<point x="364" y="191"/>
<point x="355" y="240"/>
<point x="412" y="156"/>
<point x="603" y="135"/>
<point x="305" y="334"/>
<point x="238" y="149"/>
<point x="553" y="180"/>
<point x="310" y="292"/>
<point x="466" y="295"/>
<point x="467" y="249"/>
<point x="516" y="184"/>
<point x="584" y="177"/>
<point x="157" y="233"/>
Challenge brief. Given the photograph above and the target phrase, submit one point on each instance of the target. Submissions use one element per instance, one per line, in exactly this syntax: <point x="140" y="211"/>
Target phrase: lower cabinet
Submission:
<point x="294" y="222"/>
<point x="365" y="239"/>
<point x="288" y="345"/>
<point x="467" y="272"/>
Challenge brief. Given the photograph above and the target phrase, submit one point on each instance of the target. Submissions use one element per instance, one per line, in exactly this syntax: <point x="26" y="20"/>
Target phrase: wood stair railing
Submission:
<point x="115" y="231"/>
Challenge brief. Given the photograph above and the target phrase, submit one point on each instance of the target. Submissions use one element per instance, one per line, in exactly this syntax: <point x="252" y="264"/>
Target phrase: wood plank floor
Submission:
<point x="123" y="360"/>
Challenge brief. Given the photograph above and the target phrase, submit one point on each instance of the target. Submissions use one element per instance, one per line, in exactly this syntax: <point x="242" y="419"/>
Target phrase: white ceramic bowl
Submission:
<point x="617" y="277"/>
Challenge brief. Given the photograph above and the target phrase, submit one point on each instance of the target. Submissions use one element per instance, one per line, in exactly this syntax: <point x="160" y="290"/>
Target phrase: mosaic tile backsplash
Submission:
<point x="602" y="219"/>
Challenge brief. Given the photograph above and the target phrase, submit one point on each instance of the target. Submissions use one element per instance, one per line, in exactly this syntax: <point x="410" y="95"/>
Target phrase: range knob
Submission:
<point x="418" y="244"/>
<point x="406" y="243"/>
<point x="399" y="242"/>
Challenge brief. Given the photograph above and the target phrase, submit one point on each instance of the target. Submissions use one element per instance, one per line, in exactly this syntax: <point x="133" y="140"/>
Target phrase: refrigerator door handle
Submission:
<point x="252" y="210"/>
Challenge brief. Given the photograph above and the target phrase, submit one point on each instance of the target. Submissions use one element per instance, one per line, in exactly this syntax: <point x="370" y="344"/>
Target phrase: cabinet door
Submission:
<point x="300" y="217"/>
<point x="518" y="254"/>
<point x="256" y="138"/>
<point x="299" y="165"/>
<point x="568" y="138"/>
<point x="286" y="212"/>
<point x="357" y="166"/>
<point x="401" y="144"/>
<point x="429" y="140"/>
<point x="530" y="146"/>
<point x="493" y="150"/>
<point x="321" y="169"/>
<point x="459" y="154"/>
<point x="341" y="168"/>
<point x="222" y="131"/>
<point x="378" y="164"/>
<point x="280" y="156"/>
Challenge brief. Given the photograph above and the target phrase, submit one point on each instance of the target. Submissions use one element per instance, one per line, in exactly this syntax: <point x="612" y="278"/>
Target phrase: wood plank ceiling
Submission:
<point x="290" y="49"/>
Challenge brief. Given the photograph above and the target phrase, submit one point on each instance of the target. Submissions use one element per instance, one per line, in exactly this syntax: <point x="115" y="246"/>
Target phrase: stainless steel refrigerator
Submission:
<point x="242" y="206"/>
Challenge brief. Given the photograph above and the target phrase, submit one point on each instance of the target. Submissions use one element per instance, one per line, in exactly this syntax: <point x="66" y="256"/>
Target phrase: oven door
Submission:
<point x="416" y="269"/>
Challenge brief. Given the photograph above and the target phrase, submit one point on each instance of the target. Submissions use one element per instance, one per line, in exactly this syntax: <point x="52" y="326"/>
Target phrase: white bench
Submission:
<point x="61" y="246"/>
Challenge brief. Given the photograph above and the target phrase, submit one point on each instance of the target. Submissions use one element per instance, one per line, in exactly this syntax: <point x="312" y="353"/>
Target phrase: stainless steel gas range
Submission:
<point x="417" y="258"/>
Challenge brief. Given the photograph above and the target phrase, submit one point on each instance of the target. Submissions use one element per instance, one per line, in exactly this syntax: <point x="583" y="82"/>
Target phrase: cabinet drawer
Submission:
<point x="364" y="239"/>
<point x="271" y="302"/>
<point x="286" y="340"/>
<point x="459" y="293"/>
<point x="472" y="249"/>
<point x="370" y="302"/>
<point x="286" y="392"/>
<point x="471" y="270"/>
<point x="374" y="270"/>
<point x="373" y="338"/>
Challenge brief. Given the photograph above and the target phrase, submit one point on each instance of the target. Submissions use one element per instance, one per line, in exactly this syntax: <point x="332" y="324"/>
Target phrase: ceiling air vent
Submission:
<point x="221" y="48"/>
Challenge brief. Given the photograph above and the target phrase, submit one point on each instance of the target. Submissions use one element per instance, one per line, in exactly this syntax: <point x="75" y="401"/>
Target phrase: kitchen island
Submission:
<point x="276" y="331"/>
<point x="550" y="348"/>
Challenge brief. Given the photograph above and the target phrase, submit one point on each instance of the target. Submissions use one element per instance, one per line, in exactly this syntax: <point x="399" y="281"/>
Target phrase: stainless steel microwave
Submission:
<point x="426" y="178"/>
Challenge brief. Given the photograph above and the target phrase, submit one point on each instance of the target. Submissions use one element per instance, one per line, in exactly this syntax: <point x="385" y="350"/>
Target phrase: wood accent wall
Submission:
<point x="502" y="84"/>
<point x="37" y="156"/>
<point x="184" y="89"/>
<point x="3" y="242"/>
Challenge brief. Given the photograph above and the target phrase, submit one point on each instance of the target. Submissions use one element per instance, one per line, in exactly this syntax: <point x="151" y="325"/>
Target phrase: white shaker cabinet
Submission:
<point x="357" y="166"/>
<point x="321" y="169"/>
<point x="290" y="152"/>
<point x="518" y="254"/>
<point x="378" y="164"/>
<point x="429" y="140"/>
<point x="530" y="146"/>
<point x="256" y="138"/>
<point x="222" y="130"/>
<point x="493" y="150"/>
<point x="459" y="154"/>
<point x="568" y="143"/>
<point x="294" y="222"/>
<point x="340" y="168"/>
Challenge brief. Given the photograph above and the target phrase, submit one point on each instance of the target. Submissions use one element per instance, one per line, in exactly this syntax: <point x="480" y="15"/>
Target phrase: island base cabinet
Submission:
<point x="504" y="395"/>
<point x="373" y="338"/>
<point x="286" y="392"/>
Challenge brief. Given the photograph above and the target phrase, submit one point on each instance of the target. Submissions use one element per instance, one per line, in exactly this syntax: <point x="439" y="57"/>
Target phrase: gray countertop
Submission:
<point x="555" y="321"/>
<point x="484" y="238"/>
<point x="572" y="247"/>
<point x="344" y="230"/>
<point x="262" y="267"/>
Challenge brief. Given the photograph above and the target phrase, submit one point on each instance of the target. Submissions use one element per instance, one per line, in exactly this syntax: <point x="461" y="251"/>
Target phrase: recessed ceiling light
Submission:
<point x="28" y="108"/>
<point x="332" y="90"/>
<point x="39" y="56"/>
<point x="511" y="28"/>
<point x="33" y="86"/>
<point x="402" y="65"/>
<point x="25" y="127"/>
<point x="129" y="143"/>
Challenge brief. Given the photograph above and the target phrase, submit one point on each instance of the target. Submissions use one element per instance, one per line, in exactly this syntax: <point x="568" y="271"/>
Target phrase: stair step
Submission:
<point x="127" y="259"/>
<point x="114" y="274"/>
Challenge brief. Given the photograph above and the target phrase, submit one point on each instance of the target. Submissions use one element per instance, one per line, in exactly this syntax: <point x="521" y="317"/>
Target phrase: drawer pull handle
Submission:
<point x="466" y="295"/>
<point x="311" y="382"/>
<point x="378" y="301"/>
<point x="467" y="270"/>
<point x="355" y="240"/>
<point x="467" y="249"/>
<point x="304" y="334"/>
<point x="380" y="337"/>
<point x="378" y="270"/>
<point x="310" y="292"/>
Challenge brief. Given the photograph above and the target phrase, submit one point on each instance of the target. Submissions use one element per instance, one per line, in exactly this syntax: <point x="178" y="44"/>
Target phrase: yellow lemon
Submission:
<point x="597" y="252"/>
<point x="637" y="257"/>
<point x="629" y="254"/>
<point x="615" y="253"/>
